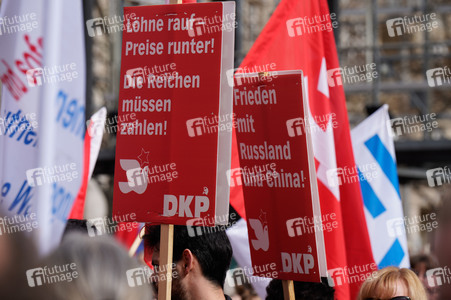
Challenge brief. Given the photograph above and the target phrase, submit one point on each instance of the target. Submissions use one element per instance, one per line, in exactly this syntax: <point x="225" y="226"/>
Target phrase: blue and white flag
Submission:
<point x="374" y="150"/>
<point x="42" y="115"/>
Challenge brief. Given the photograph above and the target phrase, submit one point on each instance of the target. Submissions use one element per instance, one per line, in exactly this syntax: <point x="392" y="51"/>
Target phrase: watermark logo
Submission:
<point x="108" y="24"/>
<point x="266" y="73"/>
<point x="412" y="124"/>
<point x="349" y="275"/>
<point x="408" y="25"/>
<point x="438" y="176"/>
<point x="49" y="275"/>
<point x="251" y="176"/>
<point x="53" y="74"/>
<point x="206" y="225"/>
<point x="57" y="173"/>
<point x="138" y="276"/>
<point x="350" y="75"/>
<point x="212" y="124"/>
<point x="234" y="177"/>
<point x="145" y="275"/>
<point x="18" y="23"/>
<point x="141" y="173"/>
<point x="134" y="175"/>
<point x="311" y="24"/>
<point x="196" y="27"/>
<point x="18" y="123"/>
<point x="438" y="76"/>
<point x="241" y="276"/>
<point x="340" y="176"/>
<point x="295" y="126"/>
<point x="299" y="126"/>
<point x="397" y="227"/>
<point x="210" y="25"/>
<point x="309" y="225"/>
<point x="438" y="276"/>
<point x="105" y="225"/>
<point x="137" y="77"/>
<point x="18" y="223"/>
<point x="97" y="126"/>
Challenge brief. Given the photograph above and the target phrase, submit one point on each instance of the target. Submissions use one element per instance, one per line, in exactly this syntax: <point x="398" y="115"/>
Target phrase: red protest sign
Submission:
<point x="277" y="174"/>
<point x="170" y="165"/>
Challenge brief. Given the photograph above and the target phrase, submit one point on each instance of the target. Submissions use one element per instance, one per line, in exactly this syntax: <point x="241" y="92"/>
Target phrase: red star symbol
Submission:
<point x="143" y="157"/>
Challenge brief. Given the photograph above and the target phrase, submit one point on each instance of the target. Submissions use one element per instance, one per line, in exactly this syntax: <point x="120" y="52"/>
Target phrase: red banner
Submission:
<point x="171" y="158"/>
<point x="277" y="175"/>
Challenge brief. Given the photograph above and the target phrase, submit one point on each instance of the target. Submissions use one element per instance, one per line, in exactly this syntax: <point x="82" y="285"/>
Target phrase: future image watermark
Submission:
<point x="350" y="75"/>
<point x="18" y="223"/>
<point x="400" y="226"/>
<point x="413" y="124"/>
<point x="251" y="176"/>
<point x="265" y="73"/>
<point x="349" y="275"/>
<point x="241" y="276"/>
<point x="52" y="74"/>
<point x="299" y="126"/>
<point x="413" y="24"/>
<point x="311" y="24"/>
<point x="209" y="25"/>
<point x="309" y="225"/>
<point x="211" y="124"/>
<point x="145" y="275"/>
<point x="340" y="176"/>
<point x="438" y="276"/>
<point x="18" y="23"/>
<point x="137" y="77"/>
<point x="53" y="274"/>
<point x="108" y="24"/>
<point x="106" y="225"/>
<point x="438" y="176"/>
<point x="56" y="173"/>
<point x="17" y="123"/>
<point x="110" y="125"/>
<point x="142" y="173"/>
<point x="206" y="225"/>
<point x="438" y="76"/>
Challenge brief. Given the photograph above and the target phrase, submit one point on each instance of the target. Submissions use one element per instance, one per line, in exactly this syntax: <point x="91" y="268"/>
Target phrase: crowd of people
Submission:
<point x="200" y="265"/>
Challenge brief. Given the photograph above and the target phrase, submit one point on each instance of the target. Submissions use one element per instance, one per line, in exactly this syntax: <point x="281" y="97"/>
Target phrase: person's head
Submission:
<point x="420" y="264"/>
<point x="302" y="291"/>
<point x="18" y="255"/>
<point x="442" y="247"/>
<point x="75" y="225"/>
<point x="101" y="265"/>
<point x="200" y="259"/>
<point x="392" y="282"/>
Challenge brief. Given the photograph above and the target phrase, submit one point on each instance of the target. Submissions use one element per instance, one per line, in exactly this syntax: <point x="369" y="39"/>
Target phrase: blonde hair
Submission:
<point x="382" y="284"/>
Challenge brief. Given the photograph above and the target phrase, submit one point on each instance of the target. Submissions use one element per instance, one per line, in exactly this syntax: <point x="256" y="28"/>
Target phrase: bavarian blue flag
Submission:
<point x="374" y="150"/>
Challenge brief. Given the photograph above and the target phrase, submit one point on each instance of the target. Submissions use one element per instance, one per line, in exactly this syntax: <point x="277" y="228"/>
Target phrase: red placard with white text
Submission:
<point x="278" y="177"/>
<point x="171" y="158"/>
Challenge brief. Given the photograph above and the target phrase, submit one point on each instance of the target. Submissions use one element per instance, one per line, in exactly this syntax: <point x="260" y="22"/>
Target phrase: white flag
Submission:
<point x="375" y="158"/>
<point x="42" y="123"/>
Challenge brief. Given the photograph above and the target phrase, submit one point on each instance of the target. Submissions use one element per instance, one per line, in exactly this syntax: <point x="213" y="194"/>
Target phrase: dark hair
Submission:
<point x="75" y="225"/>
<point x="429" y="261"/>
<point x="212" y="249"/>
<point x="302" y="291"/>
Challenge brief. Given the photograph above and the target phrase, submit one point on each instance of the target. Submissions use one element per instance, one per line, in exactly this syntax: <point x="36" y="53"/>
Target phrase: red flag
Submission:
<point x="78" y="207"/>
<point x="299" y="35"/>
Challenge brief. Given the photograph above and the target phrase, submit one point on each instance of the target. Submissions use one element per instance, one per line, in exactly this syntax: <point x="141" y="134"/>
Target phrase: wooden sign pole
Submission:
<point x="288" y="290"/>
<point x="166" y="247"/>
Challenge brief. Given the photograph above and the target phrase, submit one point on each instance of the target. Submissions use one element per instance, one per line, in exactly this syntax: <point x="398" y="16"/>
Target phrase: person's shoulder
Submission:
<point x="227" y="297"/>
